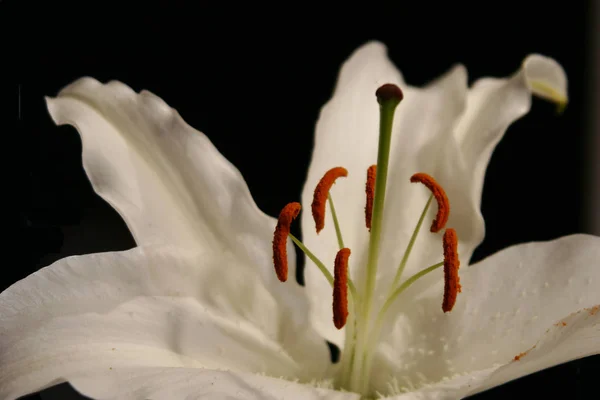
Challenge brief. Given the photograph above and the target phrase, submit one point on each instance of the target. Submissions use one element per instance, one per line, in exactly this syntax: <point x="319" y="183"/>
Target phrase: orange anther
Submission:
<point x="282" y="230"/>
<point x="443" y="211"/>
<point x="340" y="288"/>
<point x="370" y="190"/>
<point x="451" y="264"/>
<point x="321" y="193"/>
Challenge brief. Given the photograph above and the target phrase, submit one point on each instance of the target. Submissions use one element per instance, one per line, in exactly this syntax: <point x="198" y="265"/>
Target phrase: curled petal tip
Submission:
<point x="546" y="79"/>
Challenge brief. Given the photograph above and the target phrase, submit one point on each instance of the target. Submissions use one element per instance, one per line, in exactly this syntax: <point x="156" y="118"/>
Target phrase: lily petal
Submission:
<point x="166" y="179"/>
<point x="443" y="129"/>
<point x="579" y="337"/>
<point x="571" y="338"/>
<point x="521" y="297"/>
<point x="454" y="388"/>
<point x="148" y="307"/>
<point x="191" y="384"/>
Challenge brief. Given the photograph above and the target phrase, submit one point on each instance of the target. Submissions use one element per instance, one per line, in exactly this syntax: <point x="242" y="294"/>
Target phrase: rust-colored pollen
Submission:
<point x="519" y="356"/>
<point x="340" y="288"/>
<point x="523" y="354"/>
<point x="443" y="204"/>
<point x="451" y="264"/>
<point x="370" y="190"/>
<point x="282" y="230"/>
<point x="321" y="192"/>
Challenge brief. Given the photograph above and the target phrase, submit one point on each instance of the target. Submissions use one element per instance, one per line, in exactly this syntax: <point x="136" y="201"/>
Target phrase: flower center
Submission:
<point x="353" y="307"/>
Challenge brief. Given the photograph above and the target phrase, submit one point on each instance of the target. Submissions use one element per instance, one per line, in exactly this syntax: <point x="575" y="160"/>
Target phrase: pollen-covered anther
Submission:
<point x="370" y="191"/>
<point x="451" y="264"/>
<point x="340" y="288"/>
<point x="321" y="192"/>
<point x="443" y="211"/>
<point x="282" y="230"/>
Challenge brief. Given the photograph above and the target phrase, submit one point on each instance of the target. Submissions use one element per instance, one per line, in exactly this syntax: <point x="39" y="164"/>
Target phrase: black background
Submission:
<point x="254" y="80"/>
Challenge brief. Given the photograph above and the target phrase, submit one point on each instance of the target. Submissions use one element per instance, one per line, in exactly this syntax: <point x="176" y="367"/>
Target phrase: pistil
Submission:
<point x="388" y="97"/>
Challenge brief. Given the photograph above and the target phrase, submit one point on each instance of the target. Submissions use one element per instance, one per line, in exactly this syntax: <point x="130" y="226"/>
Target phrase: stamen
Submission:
<point x="282" y="230"/>
<point x="443" y="211"/>
<point x="340" y="288"/>
<point x="336" y="223"/>
<point x="321" y="194"/>
<point x="313" y="258"/>
<point x="370" y="190"/>
<point x="322" y="266"/>
<point x="451" y="264"/>
<point x="411" y="243"/>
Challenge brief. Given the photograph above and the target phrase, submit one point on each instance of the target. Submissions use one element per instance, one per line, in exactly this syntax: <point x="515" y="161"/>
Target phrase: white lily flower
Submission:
<point x="196" y="311"/>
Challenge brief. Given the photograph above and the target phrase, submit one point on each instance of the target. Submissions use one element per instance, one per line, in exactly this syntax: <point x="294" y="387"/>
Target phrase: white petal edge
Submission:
<point x="147" y="307"/>
<point x="194" y="384"/>
<point x="571" y="338"/>
<point x="507" y="305"/>
<point x="165" y="178"/>
<point x="493" y="104"/>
